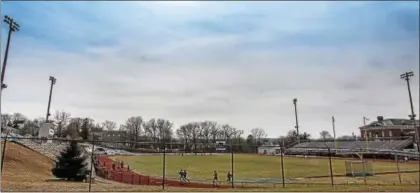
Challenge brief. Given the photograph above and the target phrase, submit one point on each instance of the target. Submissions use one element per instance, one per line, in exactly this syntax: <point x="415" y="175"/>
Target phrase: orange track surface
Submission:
<point x="130" y="177"/>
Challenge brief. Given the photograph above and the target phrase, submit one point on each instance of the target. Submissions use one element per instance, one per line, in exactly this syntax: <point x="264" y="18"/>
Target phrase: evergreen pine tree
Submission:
<point x="70" y="163"/>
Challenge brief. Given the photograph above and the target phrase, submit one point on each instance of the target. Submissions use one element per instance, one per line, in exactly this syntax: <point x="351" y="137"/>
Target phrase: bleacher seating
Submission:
<point x="379" y="147"/>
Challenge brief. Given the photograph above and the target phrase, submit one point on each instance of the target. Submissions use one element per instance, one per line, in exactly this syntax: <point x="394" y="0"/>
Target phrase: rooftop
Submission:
<point x="390" y="122"/>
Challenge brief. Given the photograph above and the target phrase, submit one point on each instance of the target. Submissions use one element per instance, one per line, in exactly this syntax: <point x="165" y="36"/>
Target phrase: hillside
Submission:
<point x="23" y="164"/>
<point x="27" y="170"/>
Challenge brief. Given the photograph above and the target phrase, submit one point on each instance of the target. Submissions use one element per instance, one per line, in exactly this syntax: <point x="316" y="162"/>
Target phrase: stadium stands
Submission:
<point x="391" y="147"/>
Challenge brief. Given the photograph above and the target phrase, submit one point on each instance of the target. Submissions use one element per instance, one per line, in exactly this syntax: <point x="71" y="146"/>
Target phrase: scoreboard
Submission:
<point x="220" y="145"/>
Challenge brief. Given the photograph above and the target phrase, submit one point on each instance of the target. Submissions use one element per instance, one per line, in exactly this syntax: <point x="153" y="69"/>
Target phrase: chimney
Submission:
<point x="380" y="118"/>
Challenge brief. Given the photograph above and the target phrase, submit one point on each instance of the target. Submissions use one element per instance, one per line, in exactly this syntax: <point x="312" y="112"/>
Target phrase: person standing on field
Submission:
<point x="229" y="177"/>
<point x="215" y="178"/>
<point x="181" y="175"/>
<point x="185" y="176"/>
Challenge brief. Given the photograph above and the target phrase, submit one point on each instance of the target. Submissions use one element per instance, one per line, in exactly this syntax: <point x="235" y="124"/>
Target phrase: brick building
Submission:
<point x="390" y="128"/>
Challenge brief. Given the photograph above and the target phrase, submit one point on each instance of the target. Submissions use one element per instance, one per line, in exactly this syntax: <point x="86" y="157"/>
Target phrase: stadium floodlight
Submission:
<point x="53" y="81"/>
<point x="297" y="122"/>
<point x="13" y="26"/>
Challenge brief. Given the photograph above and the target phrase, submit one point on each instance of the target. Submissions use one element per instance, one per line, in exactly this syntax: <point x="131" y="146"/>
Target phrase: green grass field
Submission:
<point x="262" y="169"/>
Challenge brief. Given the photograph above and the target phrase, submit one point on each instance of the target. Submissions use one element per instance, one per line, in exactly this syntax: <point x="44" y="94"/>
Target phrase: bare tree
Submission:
<point x="214" y="131"/>
<point x="109" y="125"/>
<point x="134" y="125"/>
<point x="74" y="127"/>
<point x="97" y="127"/>
<point x="28" y="127"/>
<point x="195" y="130"/>
<point x="151" y="129"/>
<point x="325" y="135"/>
<point x="6" y="119"/>
<point x="62" y="118"/>
<point x="164" y="130"/>
<point x="258" y="134"/>
<point x="122" y="127"/>
<point x="18" y="118"/>
<point x="227" y="131"/>
<point x="238" y="134"/>
<point x="206" y="127"/>
<point x="185" y="134"/>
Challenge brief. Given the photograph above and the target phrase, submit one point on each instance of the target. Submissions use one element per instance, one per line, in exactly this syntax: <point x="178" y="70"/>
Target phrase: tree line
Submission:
<point x="194" y="135"/>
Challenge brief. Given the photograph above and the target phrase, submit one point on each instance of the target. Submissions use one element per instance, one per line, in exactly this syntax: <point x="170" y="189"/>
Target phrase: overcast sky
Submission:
<point x="237" y="63"/>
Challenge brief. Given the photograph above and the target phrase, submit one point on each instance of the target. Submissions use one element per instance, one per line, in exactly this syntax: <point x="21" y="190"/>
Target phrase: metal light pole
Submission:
<point x="4" y="150"/>
<point x="296" y="116"/>
<point x="335" y="139"/>
<point x="13" y="26"/>
<point x="53" y="81"/>
<point x="406" y="76"/>
<point x="366" y="133"/>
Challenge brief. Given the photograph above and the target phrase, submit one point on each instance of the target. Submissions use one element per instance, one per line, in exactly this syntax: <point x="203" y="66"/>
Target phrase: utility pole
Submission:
<point x="13" y="26"/>
<point x="406" y="76"/>
<point x="296" y="116"/>
<point x="53" y="81"/>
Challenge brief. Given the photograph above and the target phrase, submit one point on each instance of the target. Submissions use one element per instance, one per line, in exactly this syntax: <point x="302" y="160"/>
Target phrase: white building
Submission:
<point x="269" y="150"/>
<point x="46" y="131"/>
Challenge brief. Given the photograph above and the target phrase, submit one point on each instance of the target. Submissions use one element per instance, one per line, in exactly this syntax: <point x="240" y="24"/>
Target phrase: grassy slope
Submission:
<point x="27" y="170"/>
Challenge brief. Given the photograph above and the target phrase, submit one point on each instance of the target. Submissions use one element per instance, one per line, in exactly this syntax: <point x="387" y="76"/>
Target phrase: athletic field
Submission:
<point x="257" y="169"/>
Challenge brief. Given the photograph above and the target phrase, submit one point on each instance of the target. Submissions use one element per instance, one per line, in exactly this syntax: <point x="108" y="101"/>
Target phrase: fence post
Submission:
<point x="232" y="162"/>
<point x="91" y="164"/>
<point x="132" y="178"/>
<point x="4" y="150"/>
<point x="282" y="166"/>
<point x="364" y="167"/>
<point x="331" y="167"/>
<point x="140" y="179"/>
<point x="398" y="167"/>
<point x="164" y="166"/>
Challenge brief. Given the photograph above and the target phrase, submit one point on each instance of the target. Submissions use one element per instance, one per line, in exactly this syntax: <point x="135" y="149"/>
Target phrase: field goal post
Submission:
<point x="359" y="168"/>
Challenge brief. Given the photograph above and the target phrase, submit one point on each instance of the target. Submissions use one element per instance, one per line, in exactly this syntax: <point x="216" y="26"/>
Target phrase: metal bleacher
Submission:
<point x="389" y="147"/>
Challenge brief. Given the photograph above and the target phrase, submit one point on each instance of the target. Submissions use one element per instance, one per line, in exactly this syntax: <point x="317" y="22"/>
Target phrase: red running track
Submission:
<point x="124" y="175"/>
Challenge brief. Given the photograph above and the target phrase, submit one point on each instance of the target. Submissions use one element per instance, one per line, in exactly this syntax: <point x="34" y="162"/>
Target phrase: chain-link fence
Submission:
<point x="173" y="165"/>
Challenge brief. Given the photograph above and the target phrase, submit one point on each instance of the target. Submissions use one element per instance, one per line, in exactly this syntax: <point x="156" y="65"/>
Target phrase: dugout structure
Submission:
<point x="359" y="168"/>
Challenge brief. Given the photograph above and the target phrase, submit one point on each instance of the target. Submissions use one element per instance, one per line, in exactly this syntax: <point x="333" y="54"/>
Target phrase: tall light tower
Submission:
<point x="335" y="139"/>
<point x="406" y="76"/>
<point x="13" y="26"/>
<point x="297" y="122"/>
<point x="53" y="81"/>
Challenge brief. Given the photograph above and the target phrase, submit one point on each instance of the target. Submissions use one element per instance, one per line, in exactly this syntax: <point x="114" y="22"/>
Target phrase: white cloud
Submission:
<point x="194" y="78"/>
